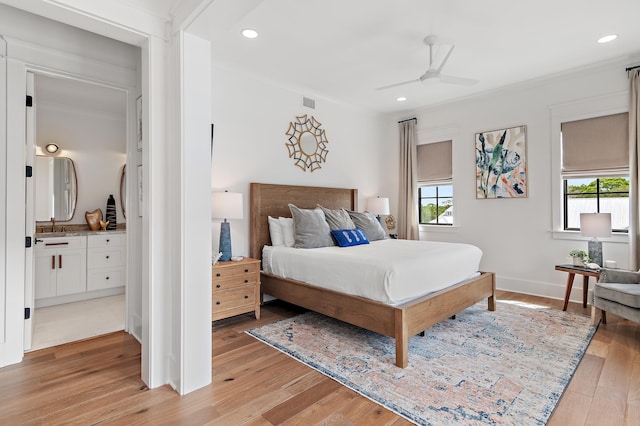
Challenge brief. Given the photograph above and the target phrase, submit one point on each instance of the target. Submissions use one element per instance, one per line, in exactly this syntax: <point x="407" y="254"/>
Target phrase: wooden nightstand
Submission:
<point x="235" y="288"/>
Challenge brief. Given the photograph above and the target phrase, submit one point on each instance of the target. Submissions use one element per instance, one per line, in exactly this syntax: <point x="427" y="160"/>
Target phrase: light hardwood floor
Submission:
<point x="98" y="381"/>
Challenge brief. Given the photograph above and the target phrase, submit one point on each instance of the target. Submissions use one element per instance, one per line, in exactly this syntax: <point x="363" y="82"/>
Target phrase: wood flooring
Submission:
<point x="98" y="381"/>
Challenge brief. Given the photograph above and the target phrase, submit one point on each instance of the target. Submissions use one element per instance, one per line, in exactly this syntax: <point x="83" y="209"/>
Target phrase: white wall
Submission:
<point x="251" y="118"/>
<point x="97" y="145"/>
<point x="516" y="234"/>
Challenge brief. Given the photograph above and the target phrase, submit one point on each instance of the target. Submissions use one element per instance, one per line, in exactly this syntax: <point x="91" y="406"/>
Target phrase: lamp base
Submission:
<point x="225" y="241"/>
<point x="595" y="251"/>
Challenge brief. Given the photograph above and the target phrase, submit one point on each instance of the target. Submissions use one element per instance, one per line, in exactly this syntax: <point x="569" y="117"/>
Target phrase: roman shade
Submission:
<point x="434" y="162"/>
<point x="596" y="144"/>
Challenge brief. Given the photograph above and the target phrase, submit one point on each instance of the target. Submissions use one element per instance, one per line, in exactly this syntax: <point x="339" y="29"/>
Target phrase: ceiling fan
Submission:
<point x="432" y="72"/>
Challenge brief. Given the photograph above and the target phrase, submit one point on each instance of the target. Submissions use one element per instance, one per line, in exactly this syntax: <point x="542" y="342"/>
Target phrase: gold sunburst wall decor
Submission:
<point x="307" y="143"/>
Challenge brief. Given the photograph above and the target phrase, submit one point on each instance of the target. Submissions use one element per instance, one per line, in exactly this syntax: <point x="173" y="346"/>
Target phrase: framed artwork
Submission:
<point x="501" y="163"/>
<point x="140" y="194"/>
<point x="139" y="122"/>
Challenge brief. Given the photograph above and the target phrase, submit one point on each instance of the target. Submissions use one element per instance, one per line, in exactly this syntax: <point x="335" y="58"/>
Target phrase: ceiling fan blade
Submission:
<point x="457" y="80"/>
<point x="398" y="84"/>
<point x="446" y="58"/>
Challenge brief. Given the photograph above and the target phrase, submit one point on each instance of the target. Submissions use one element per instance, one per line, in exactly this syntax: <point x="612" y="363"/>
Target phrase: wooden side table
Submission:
<point x="581" y="270"/>
<point x="235" y="288"/>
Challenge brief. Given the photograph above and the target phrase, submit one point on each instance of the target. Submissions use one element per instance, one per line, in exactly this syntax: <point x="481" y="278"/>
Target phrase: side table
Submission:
<point x="581" y="270"/>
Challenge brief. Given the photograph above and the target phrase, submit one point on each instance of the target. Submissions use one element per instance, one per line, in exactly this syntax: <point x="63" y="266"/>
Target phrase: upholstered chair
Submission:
<point x="617" y="291"/>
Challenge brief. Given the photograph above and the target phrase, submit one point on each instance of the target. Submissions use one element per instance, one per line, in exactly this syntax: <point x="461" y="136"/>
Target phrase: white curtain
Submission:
<point x="408" y="200"/>
<point x="634" y="158"/>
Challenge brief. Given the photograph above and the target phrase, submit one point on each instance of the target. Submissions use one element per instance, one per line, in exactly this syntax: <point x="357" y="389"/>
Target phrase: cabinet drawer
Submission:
<point x="233" y="298"/>
<point x="237" y="281"/>
<point x="106" y="240"/>
<point x="108" y="278"/>
<point x="105" y="258"/>
<point x="61" y="243"/>
<point x="239" y="270"/>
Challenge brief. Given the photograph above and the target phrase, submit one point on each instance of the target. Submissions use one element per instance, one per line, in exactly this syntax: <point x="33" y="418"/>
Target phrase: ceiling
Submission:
<point x="344" y="50"/>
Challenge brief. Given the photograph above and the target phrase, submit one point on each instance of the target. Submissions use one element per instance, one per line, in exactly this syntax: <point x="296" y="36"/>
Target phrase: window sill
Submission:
<point x="437" y="228"/>
<point x="575" y="236"/>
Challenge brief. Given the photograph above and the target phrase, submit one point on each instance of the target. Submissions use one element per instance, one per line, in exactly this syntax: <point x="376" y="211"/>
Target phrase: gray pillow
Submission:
<point x="337" y="219"/>
<point x="310" y="228"/>
<point x="369" y="224"/>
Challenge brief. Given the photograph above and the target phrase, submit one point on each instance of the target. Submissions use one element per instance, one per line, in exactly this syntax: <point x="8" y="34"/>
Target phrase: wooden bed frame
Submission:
<point x="399" y="322"/>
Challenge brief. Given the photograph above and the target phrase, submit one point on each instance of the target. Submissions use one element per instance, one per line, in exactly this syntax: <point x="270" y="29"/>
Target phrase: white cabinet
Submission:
<point x="106" y="261"/>
<point x="60" y="266"/>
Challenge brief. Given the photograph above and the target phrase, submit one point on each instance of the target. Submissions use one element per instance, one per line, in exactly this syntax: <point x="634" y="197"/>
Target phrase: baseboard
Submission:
<point x="69" y="298"/>
<point x="539" y="288"/>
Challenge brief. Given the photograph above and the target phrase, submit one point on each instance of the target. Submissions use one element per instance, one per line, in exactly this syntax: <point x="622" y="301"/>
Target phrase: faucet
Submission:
<point x="53" y="224"/>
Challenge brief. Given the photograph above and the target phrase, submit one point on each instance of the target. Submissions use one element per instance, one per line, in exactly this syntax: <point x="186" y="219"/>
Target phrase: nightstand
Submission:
<point x="235" y="288"/>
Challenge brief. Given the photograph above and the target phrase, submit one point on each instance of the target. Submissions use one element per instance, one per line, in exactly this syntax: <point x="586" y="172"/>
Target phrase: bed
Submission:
<point x="397" y="321"/>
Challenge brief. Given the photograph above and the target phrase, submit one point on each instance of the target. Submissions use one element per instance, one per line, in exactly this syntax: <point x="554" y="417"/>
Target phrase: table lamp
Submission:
<point x="595" y="225"/>
<point x="226" y="205"/>
<point x="378" y="206"/>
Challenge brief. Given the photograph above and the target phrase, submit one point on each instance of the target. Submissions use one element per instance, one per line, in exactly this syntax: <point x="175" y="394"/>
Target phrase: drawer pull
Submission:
<point x="218" y="274"/>
<point x="217" y="303"/>
<point x="246" y="297"/>
<point x="217" y="285"/>
<point x="246" y="270"/>
<point x="66" y="243"/>
<point x="60" y="261"/>
<point x="53" y="262"/>
<point x="108" y="240"/>
<point x="107" y="278"/>
<point x="107" y="257"/>
<point x="246" y="281"/>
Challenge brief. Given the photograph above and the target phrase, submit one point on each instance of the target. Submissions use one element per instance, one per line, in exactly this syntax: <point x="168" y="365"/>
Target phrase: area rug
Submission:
<point x="505" y="367"/>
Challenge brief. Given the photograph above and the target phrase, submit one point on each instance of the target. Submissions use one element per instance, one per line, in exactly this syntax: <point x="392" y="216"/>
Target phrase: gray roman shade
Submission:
<point x="596" y="144"/>
<point x="434" y="162"/>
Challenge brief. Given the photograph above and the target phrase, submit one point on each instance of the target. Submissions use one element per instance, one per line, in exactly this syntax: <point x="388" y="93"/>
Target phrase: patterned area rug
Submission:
<point x="505" y="367"/>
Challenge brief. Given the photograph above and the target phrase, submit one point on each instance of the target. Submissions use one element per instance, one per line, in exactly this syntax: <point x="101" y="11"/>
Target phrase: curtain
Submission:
<point x="634" y="158"/>
<point x="408" y="200"/>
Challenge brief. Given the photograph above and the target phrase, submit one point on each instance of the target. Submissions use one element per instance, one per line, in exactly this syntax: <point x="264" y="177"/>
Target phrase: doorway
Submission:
<point x="79" y="276"/>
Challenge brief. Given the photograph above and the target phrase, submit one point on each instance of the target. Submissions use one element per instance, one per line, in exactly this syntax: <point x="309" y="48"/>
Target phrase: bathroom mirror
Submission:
<point x="56" y="188"/>
<point x="123" y="191"/>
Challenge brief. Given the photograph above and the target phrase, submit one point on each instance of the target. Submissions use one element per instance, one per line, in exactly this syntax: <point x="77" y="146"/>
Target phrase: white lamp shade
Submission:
<point x="378" y="205"/>
<point x="595" y="224"/>
<point x="226" y="205"/>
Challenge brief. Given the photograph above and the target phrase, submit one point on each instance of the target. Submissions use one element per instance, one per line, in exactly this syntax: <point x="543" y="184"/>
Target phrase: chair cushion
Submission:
<point x="625" y="294"/>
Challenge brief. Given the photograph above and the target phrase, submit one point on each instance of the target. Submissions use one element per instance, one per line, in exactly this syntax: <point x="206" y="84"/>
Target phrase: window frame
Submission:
<point x="586" y="108"/>
<point x="597" y="177"/>
<point x="435" y="184"/>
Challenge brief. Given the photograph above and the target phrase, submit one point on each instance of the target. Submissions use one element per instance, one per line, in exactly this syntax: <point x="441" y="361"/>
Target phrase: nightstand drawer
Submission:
<point x="229" y="271"/>
<point x="238" y="281"/>
<point x="234" y="298"/>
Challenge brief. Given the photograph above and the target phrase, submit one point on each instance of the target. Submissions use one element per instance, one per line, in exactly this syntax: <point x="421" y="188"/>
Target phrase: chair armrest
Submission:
<point x="619" y="276"/>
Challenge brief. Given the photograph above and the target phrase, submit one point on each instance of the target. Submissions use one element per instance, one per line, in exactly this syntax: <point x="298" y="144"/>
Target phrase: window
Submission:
<point x="597" y="195"/>
<point x="436" y="204"/>
<point x="435" y="184"/>
<point x="595" y="170"/>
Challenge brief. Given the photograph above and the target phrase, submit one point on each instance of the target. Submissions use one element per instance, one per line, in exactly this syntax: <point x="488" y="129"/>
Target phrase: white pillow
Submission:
<point x="288" y="235"/>
<point x="275" y="231"/>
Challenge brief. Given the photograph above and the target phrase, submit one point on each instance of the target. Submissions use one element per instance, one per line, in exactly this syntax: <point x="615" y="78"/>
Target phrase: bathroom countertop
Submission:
<point x="77" y="233"/>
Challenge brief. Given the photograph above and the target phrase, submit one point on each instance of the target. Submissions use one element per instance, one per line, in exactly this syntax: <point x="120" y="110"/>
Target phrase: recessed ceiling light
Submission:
<point x="249" y="33"/>
<point x="607" y="38"/>
<point x="401" y="99"/>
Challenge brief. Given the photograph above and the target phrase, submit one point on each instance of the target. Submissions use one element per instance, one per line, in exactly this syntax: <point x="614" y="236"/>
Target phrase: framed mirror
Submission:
<point x="56" y="188"/>
<point x="123" y="191"/>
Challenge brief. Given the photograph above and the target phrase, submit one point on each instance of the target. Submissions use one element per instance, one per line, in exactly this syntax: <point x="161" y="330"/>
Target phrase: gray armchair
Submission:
<point x="617" y="291"/>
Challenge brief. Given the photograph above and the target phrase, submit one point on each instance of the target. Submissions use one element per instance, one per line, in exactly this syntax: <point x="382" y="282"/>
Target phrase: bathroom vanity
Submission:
<point x="79" y="265"/>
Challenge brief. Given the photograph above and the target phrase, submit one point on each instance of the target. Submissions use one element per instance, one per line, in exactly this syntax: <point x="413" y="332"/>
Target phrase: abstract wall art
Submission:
<point x="501" y="163"/>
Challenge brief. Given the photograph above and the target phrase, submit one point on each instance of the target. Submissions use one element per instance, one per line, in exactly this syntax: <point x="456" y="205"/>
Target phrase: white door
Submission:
<point x="30" y="150"/>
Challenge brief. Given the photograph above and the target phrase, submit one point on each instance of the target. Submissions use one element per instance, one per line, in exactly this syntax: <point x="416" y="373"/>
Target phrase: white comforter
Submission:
<point x="389" y="271"/>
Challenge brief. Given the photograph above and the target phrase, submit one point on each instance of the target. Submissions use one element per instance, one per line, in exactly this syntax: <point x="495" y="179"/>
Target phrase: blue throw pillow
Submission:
<point x="349" y="237"/>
